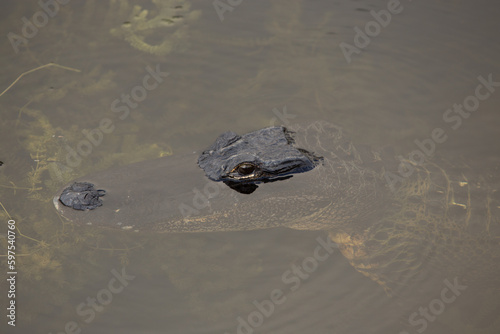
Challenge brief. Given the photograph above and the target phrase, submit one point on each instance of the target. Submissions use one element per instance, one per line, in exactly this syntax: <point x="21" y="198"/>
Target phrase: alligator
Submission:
<point x="309" y="177"/>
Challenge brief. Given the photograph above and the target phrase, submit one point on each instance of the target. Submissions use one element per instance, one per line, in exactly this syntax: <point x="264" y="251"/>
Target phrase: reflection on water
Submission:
<point x="398" y="90"/>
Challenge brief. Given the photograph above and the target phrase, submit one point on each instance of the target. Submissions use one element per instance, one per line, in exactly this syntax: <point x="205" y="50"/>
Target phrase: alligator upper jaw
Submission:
<point x="143" y="194"/>
<point x="172" y="194"/>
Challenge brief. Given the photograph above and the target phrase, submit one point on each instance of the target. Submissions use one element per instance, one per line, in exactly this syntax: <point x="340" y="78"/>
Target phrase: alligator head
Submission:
<point x="311" y="178"/>
<point x="266" y="155"/>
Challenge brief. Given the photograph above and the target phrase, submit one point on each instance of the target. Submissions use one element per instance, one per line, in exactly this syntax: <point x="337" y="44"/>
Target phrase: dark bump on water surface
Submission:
<point x="82" y="196"/>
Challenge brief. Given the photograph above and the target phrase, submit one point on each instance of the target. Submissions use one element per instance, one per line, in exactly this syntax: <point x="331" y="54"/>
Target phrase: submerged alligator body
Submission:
<point x="311" y="178"/>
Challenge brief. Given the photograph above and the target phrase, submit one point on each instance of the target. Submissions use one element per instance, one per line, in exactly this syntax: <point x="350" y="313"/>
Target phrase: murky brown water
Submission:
<point x="240" y="73"/>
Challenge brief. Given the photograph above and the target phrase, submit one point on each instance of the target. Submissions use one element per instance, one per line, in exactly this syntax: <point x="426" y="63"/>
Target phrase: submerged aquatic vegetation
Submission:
<point x="157" y="32"/>
<point x="55" y="260"/>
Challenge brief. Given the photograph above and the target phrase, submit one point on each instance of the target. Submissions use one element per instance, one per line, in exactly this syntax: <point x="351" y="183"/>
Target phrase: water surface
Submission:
<point x="265" y="63"/>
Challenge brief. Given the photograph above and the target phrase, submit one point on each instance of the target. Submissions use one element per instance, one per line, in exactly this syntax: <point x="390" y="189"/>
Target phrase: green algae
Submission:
<point x="166" y="25"/>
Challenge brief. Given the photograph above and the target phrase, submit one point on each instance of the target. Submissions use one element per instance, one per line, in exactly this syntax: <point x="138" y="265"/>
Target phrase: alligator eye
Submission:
<point x="245" y="168"/>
